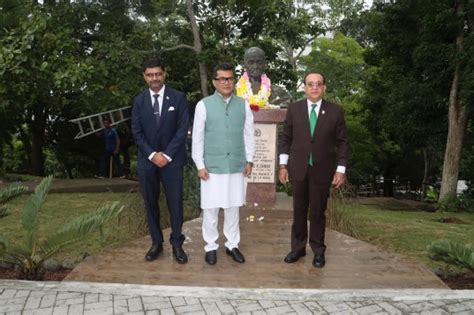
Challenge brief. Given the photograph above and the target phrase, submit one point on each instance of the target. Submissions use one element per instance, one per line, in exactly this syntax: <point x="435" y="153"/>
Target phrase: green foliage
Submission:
<point x="29" y="254"/>
<point x="452" y="253"/>
<point x="459" y="203"/>
<point x="338" y="215"/>
<point x="9" y="193"/>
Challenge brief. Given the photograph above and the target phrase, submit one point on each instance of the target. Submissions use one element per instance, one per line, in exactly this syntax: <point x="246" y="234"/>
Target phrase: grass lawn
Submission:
<point x="60" y="208"/>
<point x="409" y="232"/>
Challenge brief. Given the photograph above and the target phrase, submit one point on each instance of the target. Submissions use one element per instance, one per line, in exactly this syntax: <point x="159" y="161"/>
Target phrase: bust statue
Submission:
<point x="255" y="86"/>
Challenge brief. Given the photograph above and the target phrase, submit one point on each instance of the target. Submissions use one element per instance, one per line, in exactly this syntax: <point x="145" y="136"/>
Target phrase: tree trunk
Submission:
<point x="458" y="118"/>
<point x="197" y="47"/>
<point x="37" y="156"/>
<point x="424" y="184"/>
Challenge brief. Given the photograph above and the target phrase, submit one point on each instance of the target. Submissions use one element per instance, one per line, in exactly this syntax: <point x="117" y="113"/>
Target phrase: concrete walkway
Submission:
<point x="23" y="297"/>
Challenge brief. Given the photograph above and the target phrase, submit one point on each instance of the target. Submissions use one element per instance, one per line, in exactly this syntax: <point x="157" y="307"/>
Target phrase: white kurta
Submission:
<point x="221" y="190"/>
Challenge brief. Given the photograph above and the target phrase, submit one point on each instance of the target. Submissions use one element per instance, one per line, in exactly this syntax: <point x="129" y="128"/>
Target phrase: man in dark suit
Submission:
<point x="160" y="123"/>
<point x="312" y="144"/>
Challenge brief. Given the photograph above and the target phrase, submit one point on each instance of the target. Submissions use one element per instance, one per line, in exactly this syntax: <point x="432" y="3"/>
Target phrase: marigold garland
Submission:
<point x="244" y="89"/>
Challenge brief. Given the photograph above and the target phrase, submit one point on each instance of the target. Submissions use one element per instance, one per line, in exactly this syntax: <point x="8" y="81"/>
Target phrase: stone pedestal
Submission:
<point x="261" y="187"/>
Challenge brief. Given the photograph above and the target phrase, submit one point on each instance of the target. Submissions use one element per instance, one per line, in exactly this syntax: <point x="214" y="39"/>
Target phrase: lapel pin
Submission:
<point x="167" y="97"/>
<point x="323" y="112"/>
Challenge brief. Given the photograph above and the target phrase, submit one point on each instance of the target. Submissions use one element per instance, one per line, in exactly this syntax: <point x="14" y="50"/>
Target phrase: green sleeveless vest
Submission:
<point x="224" y="147"/>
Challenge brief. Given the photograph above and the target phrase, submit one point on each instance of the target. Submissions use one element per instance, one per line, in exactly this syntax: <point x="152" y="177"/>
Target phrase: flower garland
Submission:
<point x="256" y="101"/>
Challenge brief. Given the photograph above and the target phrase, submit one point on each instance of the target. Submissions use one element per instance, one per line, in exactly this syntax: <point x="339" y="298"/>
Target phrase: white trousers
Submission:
<point x="210" y="234"/>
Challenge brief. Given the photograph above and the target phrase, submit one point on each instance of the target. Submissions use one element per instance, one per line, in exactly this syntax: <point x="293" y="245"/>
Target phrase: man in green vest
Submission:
<point x="223" y="147"/>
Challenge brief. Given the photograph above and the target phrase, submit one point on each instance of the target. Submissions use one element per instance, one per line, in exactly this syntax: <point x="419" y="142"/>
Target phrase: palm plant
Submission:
<point x="452" y="253"/>
<point x="7" y="194"/>
<point x="29" y="255"/>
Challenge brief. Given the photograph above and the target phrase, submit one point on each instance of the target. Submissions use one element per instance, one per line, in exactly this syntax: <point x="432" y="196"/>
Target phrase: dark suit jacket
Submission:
<point x="169" y="137"/>
<point x="329" y="143"/>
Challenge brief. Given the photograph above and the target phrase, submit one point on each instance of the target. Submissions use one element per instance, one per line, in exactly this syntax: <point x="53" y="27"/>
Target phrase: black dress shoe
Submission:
<point x="211" y="257"/>
<point x="154" y="251"/>
<point x="294" y="256"/>
<point x="180" y="255"/>
<point x="319" y="261"/>
<point x="236" y="254"/>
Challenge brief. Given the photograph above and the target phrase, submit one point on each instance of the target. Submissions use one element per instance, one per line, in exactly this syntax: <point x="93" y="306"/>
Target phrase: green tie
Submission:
<point x="313" y="118"/>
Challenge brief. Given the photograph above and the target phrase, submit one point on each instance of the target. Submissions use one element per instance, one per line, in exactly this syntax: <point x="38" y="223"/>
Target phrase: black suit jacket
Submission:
<point x="329" y="143"/>
<point x="170" y="136"/>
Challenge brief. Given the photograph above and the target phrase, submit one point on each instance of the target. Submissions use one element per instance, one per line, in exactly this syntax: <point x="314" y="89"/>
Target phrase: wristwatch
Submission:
<point x="250" y="163"/>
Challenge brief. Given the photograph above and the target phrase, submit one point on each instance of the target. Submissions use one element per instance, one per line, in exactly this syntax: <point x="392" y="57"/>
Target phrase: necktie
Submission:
<point x="156" y="109"/>
<point x="313" y="118"/>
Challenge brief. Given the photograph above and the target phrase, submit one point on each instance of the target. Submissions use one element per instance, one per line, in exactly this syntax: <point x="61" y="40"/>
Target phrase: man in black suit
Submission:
<point x="160" y="123"/>
<point x="314" y="154"/>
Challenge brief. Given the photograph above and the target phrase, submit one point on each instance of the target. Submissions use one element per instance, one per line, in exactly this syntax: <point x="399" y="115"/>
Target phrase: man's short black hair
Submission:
<point x="314" y="72"/>
<point x="225" y="66"/>
<point x="154" y="63"/>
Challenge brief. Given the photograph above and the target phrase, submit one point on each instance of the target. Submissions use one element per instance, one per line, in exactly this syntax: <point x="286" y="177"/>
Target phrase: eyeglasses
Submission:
<point x="223" y="80"/>
<point x="152" y="75"/>
<point x="315" y="84"/>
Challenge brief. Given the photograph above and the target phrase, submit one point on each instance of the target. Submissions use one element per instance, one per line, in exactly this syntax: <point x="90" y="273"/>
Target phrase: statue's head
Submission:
<point x="254" y="62"/>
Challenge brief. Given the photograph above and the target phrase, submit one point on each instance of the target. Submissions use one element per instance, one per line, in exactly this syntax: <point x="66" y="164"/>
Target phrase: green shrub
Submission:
<point x="29" y="254"/>
<point x="452" y="253"/>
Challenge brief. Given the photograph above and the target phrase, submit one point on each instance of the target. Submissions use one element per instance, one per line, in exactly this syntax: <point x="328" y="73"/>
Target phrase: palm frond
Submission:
<point x="4" y="211"/>
<point x="77" y="229"/>
<point x="11" y="192"/>
<point x="29" y="219"/>
<point x="453" y="253"/>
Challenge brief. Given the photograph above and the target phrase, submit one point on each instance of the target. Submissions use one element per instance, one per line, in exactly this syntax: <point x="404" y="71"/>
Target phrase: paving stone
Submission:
<point x="332" y="307"/>
<point x="8" y="294"/>
<point x="40" y="311"/>
<point x="300" y="308"/>
<point x="91" y="298"/>
<point x="247" y="307"/>
<point x="154" y="312"/>
<point x="392" y="310"/>
<point x="72" y="301"/>
<point x="177" y="301"/>
<point x="267" y="303"/>
<point x="457" y="307"/>
<point x="210" y="308"/>
<point x="225" y="307"/>
<point x="120" y="305"/>
<point x="154" y="303"/>
<point x="167" y="311"/>
<point x="280" y="310"/>
<point x="135" y="304"/>
<point x="434" y="312"/>
<point x="60" y="310"/>
<point x="99" y="305"/>
<point x="189" y="308"/>
<point x="101" y="311"/>
<point x="77" y="309"/>
<point x="68" y="295"/>
<point x="22" y="293"/>
<point x="11" y="307"/>
<point x="315" y="307"/>
<point x="191" y="300"/>
<point x="32" y="303"/>
<point x="422" y="306"/>
<point x="369" y="309"/>
<point x="105" y="297"/>
<point x="48" y="301"/>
